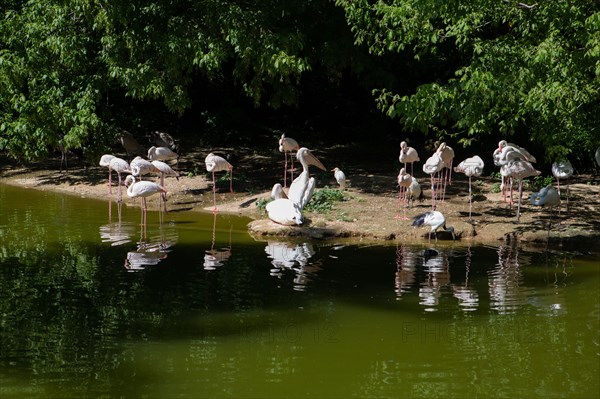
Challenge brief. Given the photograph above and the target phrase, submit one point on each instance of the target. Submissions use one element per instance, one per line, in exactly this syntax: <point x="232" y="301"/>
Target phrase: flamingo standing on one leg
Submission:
<point x="164" y="170"/>
<point x="215" y="163"/>
<point x="105" y="161"/>
<point x="404" y="181"/>
<point x="120" y="166"/>
<point x="432" y="166"/>
<point x="408" y="155"/>
<point x="162" y="154"/>
<point x="562" y="170"/>
<point x="471" y="167"/>
<point x="287" y="144"/>
<point x="447" y="154"/>
<point x="142" y="189"/>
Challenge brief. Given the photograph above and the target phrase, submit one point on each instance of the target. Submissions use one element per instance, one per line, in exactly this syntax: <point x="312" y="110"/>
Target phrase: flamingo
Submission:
<point x="471" y="167"/>
<point x="287" y="144"/>
<point x="340" y="177"/>
<point x="142" y="189"/>
<point x="547" y="196"/>
<point x="408" y="155"/>
<point x="435" y="220"/>
<point x="215" y="163"/>
<point x="141" y="166"/>
<point x="524" y="153"/>
<point x="164" y="170"/>
<point x="597" y="156"/>
<point x="562" y="170"/>
<point x="120" y="166"/>
<point x="404" y="181"/>
<point x="414" y="190"/>
<point x="447" y="154"/>
<point x="303" y="186"/>
<point x="432" y="166"/>
<point x="162" y="154"/>
<point x="519" y="169"/>
<point x="105" y="161"/>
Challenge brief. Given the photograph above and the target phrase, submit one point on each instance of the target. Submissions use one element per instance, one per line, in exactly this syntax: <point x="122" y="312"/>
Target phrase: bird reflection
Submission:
<point x="152" y="251"/>
<point x="436" y="265"/>
<point x="468" y="298"/>
<point x="116" y="233"/>
<point x="214" y="258"/>
<point x="291" y="256"/>
<point x="406" y="263"/>
<point x="505" y="280"/>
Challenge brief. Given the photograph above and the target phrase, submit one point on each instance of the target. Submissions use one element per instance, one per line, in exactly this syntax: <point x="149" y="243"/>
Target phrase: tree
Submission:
<point x="526" y="70"/>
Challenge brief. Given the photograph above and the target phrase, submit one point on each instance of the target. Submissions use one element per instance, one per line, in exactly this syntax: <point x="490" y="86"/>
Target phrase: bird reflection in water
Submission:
<point x="505" y="281"/>
<point x="291" y="256"/>
<point x="406" y="263"/>
<point x="214" y="258"/>
<point x="436" y="265"/>
<point x="468" y="299"/>
<point x="116" y="233"/>
<point x="153" y="250"/>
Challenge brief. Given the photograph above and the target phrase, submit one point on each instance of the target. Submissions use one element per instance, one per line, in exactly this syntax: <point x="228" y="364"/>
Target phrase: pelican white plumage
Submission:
<point x="435" y="220"/>
<point x="105" y="161"/>
<point x="277" y="192"/>
<point x="303" y="186"/>
<point x="340" y="177"/>
<point x="432" y="166"/>
<point x="287" y="144"/>
<point x="471" y="167"/>
<point x="282" y="210"/>
<point x="142" y="189"/>
<point x="562" y="170"/>
<point x="520" y="169"/>
<point x="408" y="155"/>
<point x="215" y="163"/>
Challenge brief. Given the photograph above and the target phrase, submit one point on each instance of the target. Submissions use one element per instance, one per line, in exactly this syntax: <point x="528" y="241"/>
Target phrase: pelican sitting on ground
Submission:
<point x="303" y="186"/>
<point x="340" y="177"/>
<point x="470" y="167"/>
<point x="287" y="144"/>
<point x="282" y="210"/>
<point x="142" y="189"/>
<point x="408" y="155"/>
<point x="435" y="220"/>
<point x="562" y="170"/>
<point x="215" y="163"/>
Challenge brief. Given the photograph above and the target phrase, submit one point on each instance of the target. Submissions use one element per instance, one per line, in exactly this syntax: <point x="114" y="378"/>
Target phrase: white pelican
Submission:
<point x="287" y="144"/>
<point x="435" y="220"/>
<point x="471" y="167"/>
<point x="215" y="163"/>
<point x="408" y="155"/>
<point x="340" y="177"/>
<point x="303" y="186"/>
<point x="284" y="211"/>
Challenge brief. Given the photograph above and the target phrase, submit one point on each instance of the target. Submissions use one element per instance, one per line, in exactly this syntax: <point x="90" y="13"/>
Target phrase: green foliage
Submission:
<point x="507" y="67"/>
<point x="261" y="204"/>
<point x="538" y="182"/>
<point x="324" y="200"/>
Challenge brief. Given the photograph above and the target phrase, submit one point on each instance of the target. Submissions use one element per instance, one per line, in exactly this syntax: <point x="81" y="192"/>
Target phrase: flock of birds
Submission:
<point x="515" y="163"/>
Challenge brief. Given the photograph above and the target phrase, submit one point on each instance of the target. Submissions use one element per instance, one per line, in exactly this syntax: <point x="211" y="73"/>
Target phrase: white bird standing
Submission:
<point x="404" y="181"/>
<point x="287" y="144"/>
<point x="120" y="166"/>
<point x="215" y="163"/>
<point x="470" y="167"/>
<point x="141" y="167"/>
<point x="105" y="161"/>
<point x="520" y="169"/>
<point x="435" y="220"/>
<point x="408" y="155"/>
<point x="525" y="154"/>
<point x="303" y="186"/>
<point x="340" y="177"/>
<point x="447" y="154"/>
<point x="142" y="189"/>
<point x="432" y="166"/>
<point x="414" y="190"/>
<point x="162" y="154"/>
<point x="547" y="197"/>
<point x="562" y="170"/>
<point x="164" y="170"/>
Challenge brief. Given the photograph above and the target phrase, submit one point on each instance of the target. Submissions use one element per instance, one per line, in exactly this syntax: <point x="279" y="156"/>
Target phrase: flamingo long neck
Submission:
<point x="130" y="186"/>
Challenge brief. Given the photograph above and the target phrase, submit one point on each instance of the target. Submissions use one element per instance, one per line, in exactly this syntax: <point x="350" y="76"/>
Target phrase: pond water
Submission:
<point x="92" y="305"/>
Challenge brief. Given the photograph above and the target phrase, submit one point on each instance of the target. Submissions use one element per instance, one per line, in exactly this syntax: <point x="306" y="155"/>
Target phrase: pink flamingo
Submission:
<point x="408" y="155"/>
<point x="215" y="163"/>
<point x="287" y="144"/>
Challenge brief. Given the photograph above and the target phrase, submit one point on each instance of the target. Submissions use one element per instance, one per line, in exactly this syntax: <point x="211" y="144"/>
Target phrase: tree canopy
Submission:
<point x="74" y="72"/>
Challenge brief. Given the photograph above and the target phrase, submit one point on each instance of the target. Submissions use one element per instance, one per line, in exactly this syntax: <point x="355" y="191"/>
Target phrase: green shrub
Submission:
<point x="323" y="200"/>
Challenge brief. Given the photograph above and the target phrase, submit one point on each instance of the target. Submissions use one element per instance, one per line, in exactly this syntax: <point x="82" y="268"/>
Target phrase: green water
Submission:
<point x="94" y="306"/>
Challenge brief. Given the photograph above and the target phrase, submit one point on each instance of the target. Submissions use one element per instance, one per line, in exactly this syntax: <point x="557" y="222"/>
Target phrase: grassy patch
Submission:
<point x="323" y="200"/>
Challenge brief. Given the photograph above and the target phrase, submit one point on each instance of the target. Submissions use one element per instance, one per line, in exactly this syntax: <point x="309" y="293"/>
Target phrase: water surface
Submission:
<point x="93" y="305"/>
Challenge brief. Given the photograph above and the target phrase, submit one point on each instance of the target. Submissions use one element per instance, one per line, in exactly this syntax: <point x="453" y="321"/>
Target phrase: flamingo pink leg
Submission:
<point x="285" y="169"/>
<point x="214" y="193"/>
